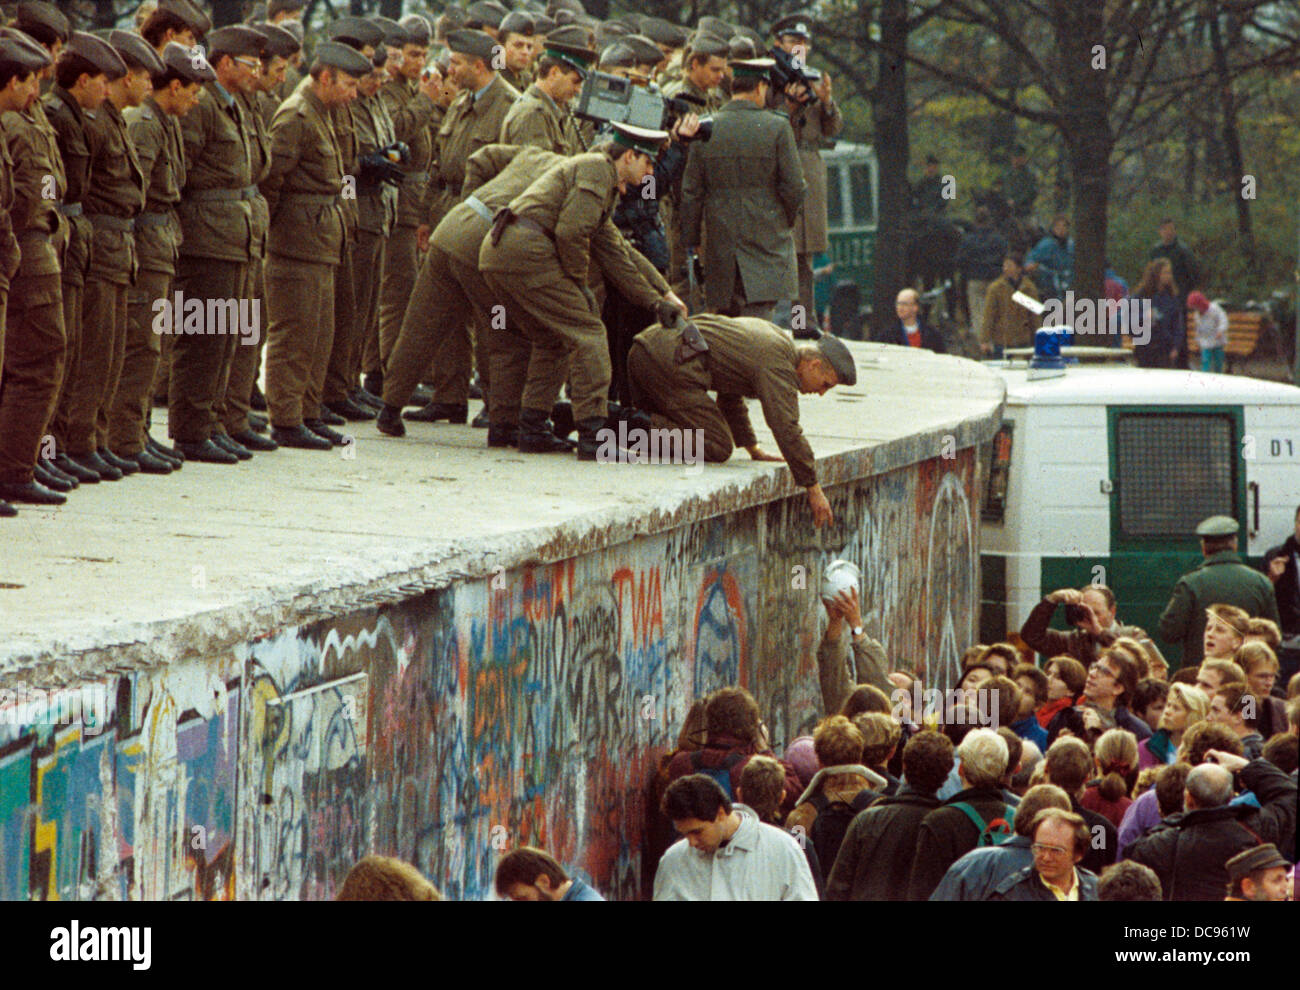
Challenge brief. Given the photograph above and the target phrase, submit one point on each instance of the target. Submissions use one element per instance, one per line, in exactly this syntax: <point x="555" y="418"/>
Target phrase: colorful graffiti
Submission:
<point x="531" y="705"/>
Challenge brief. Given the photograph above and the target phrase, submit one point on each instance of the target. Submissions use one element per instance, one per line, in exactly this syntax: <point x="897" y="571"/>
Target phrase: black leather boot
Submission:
<point x="536" y="436"/>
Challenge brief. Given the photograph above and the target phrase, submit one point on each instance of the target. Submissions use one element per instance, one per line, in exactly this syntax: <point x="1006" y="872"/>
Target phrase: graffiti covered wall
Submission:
<point x="528" y="705"/>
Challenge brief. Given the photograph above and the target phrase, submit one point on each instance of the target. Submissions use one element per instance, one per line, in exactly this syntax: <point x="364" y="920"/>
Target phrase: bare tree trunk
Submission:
<point x="889" y="117"/>
<point x="1232" y="143"/>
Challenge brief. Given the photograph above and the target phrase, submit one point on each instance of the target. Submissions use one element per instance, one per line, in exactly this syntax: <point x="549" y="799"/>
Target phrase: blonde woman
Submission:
<point x="1185" y="707"/>
<point x="1226" y="628"/>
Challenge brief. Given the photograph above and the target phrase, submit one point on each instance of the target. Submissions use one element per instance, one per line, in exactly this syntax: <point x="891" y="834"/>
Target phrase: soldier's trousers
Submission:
<point x="103" y="336"/>
<point x="806" y="291"/>
<point x="464" y="344"/>
<point x="199" y="359"/>
<point x="623" y="320"/>
<point x="346" y="327"/>
<point x="678" y="398"/>
<point x="57" y="425"/>
<point x="232" y="411"/>
<point x="438" y="311"/>
<point x="559" y="324"/>
<point x="33" y="344"/>
<point x="367" y="272"/>
<point x="401" y="268"/>
<point x="300" y="305"/>
<point x="128" y="417"/>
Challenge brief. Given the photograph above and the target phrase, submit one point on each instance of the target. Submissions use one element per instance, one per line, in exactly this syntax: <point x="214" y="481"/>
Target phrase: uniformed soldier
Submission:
<point x="303" y="190"/>
<point x="927" y="194"/>
<point x="815" y="122"/>
<point x="515" y="35"/>
<point x="31" y="321"/>
<point x="155" y="131"/>
<point x="741" y="191"/>
<point x="114" y="196"/>
<point x="485" y="16"/>
<point x="671" y="40"/>
<point x="81" y="87"/>
<point x="217" y="246"/>
<point x="1221" y="579"/>
<point x="288" y="15"/>
<point x="537" y="258"/>
<point x="410" y="98"/>
<point x="541" y="116"/>
<point x="673" y="368"/>
<point x="178" y="21"/>
<point x="473" y="120"/>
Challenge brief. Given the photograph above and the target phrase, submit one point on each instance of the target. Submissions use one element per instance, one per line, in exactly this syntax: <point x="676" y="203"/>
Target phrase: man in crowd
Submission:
<point x="1282" y="565"/>
<point x="1233" y="705"/>
<point x="1187" y="273"/>
<point x="981" y="258"/>
<point x="528" y="874"/>
<point x="1258" y="874"/>
<point x="1051" y="262"/>
<point x="1069" y="765"/>
<point x="1004" y="322"/>
<point x="911" y="330"/>
<point x="1089" y="611"/>
<point x="1110" y="686"/>
<point x="1060" y="839"/>
<point x="1128" y="881"/>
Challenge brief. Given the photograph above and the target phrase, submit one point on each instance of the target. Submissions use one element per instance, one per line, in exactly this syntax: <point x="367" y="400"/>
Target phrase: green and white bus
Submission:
<point x="852" y="190"/>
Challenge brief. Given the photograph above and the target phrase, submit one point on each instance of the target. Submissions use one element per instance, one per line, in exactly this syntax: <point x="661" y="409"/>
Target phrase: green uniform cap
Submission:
<point x="760" y="67"/>
<point x="839" y="358"/>
<point x="1218" y="526"/>
<point x="640" y="139"/>
<point x="476" y="44"/>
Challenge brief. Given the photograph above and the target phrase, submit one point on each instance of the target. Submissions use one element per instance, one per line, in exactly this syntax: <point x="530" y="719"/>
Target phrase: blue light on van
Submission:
<point x="1047" y="361"/>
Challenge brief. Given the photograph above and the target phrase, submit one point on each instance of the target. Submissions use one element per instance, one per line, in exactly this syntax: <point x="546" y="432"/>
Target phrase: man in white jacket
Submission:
<point x="726" y="853"/>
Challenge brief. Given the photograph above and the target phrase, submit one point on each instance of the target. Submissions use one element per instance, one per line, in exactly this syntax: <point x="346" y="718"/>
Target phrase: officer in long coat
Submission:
<point x="741" y="192"/>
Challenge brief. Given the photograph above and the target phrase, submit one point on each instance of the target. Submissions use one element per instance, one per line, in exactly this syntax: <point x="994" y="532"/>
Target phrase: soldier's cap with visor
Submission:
<point x="642" y="139"/>
<point x="704" y="43"/>
<point x="569" y="45"/>
<point x="21" y="55"/>
<point x="279" y="40"/>
<point x="357" y="32"/>
<point x="395" y="36"/>
<point x="1254" y="859"/>
<point x="185" y="12"/>
<point x="43" y="21"/>
<point x="274" y="7"/>
<point x="1218" y="526"/>
<point x="485" y="12"/>
<point x="419" y="29"/>
<point x="190" y="66"/>
<point x="760" y="67"/>
<point x="518" y="22"/>
<point x="838" y="357"/>
<point x="235" y="40"/>
<point x="799" y="24"/>
<point x="97" y="52"/>
<point x="136" y="52"/>
<point x="342" y="58"/>
<point x="475" y="44"/>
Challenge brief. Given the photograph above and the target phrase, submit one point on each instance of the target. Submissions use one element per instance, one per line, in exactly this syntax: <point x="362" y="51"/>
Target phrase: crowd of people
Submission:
<point x="403" y="214"/>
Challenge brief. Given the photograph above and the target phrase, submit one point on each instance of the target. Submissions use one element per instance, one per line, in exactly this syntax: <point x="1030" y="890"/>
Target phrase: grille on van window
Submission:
<point x="1175" y="469"/>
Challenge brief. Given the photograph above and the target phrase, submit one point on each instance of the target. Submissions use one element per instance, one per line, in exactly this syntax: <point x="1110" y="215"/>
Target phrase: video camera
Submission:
<point x="787" y="71"/>
<point x="606" y="98"/>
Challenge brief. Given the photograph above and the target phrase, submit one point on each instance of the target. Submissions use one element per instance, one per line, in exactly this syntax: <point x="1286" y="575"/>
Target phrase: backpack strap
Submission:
<point x="972" y="814"/>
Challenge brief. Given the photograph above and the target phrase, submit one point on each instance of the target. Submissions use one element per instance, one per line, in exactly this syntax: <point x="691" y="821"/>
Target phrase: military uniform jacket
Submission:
<point x="812" y="125"/>
<point x="519" y="80"/>
<point x="68" y="122"/>
<point x="744" y="186"/>
<point x="415" y="118"/>
<point x="216" y="212"/>
<point x="574" y="201"/>
<point x="10" y="254"/>
<point x="747" y="358"/>
<point x="1221" y="579"/>
<point x="259" y="153"/>
<point x="374" y="128"/>
<point x="345" y="136"/>
<point x="494" y="175"/>
<point x="681" y="86"/>
<point x="469" y="125"/>
<point x="161" y="152"/>
<point x="37" y="227"/>
<point x="538" y="120"/>
<point x="305" y="183"/>
<point x="114" y="196"/>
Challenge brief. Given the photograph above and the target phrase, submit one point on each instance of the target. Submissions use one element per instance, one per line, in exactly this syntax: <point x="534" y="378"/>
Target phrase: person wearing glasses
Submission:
<point x="1060" y="838"/>
<point x="1112" y="682"/>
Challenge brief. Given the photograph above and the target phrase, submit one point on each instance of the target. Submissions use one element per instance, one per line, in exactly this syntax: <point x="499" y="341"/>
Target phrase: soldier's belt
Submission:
<point x="222" y="195"/>
<point x="534" y="226"/>
<point x="153" y="219"/>
<point x="69" y="209"/>
<point x="477" y="205"/>
<point x="111" y="222"/>
<point x="310" y="199"/>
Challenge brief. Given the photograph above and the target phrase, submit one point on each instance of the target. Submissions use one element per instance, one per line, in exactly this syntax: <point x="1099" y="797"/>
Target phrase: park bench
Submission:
<point x="1245" y="327"/>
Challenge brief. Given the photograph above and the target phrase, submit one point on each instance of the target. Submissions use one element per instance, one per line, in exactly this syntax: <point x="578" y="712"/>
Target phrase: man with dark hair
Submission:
<point x="1003" y="321"/>
<point x="1112" y="681"/>
<point x="1187" y="274"/>
<point x="1069" y="765"/>
<point x="726" y="853"/>
<point x="1221" y="579"/>
<point x="541" y="115"/>
<point x="529" y="874"/>
<point x="1282" y="566"/>
<point x="1090" y="612"/>
<point x="1233" y="705"/>
<point x="1060" y="838"/>
<point x="517" y="34"/>
<point x="927" y="194"/>
<point x="1128" y="881"/>
<point x="1188" y="851"/>
<point x="762" y="787"/>
<point x="178" y="21"/>
<point x="876" y="856"/>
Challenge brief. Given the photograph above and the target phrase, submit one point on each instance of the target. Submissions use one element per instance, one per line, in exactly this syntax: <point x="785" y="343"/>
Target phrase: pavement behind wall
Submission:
<point x="151" y="569"/>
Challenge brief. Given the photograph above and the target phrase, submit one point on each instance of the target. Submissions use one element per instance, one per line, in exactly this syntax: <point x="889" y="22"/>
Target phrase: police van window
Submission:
<point x="862" y="194"/>
<point x="1175" y="469"/>
<point x="834" y="199"/>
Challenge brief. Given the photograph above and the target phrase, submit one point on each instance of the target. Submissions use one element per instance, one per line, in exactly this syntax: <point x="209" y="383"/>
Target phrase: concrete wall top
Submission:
<point x="152" y="570"/>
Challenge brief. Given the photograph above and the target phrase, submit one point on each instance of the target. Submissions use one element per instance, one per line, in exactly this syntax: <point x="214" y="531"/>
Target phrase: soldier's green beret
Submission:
<point x="342" y="58"/>
<point x="617" y="56"/>
<point x="640" y="139"/>
<point x="235" y="40"/>
<point x="839" y="358"/>
<point x="708" y="44"/>
<point x="274" y="7"/>
<point x="43" y="21"/>
<point x="573" y="6"/>
<point x="715" y="26"/>
<point x="663" y="32"/>
<point x="740" y="48"/>
<point x="1218" y="526"/>
<point x="98" y="53"/>
<point x="798" y="24"/>
<point x="395" y="36"/>
<point x="518" y="22"/>
<point x="279" y="40"/>
<point x="189" y="65"/>
<point x="185" y="12"/>
<point x="476" y="44"/>
<point x="357" y="32"/>
<point x="607" y="32"/>
<point x="760" y="67"/>
<point x="487" y="13"/>
<point x="20" y="55"/>
<point x="643" y="48"/>
<point x="136" y="52"/>
<point x="418" y="28"/>
<point x="543" y="24"/>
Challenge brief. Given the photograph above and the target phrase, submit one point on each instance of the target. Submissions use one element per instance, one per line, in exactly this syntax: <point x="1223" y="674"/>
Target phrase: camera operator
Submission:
<point x="1090" y="610"/>
<point x="816" y="120"/>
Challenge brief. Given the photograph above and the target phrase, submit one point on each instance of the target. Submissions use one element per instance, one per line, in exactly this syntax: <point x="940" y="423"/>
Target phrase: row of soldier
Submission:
<point x="393" y="220"/>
